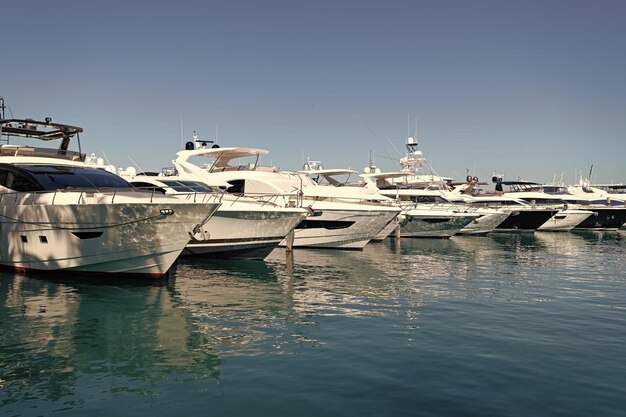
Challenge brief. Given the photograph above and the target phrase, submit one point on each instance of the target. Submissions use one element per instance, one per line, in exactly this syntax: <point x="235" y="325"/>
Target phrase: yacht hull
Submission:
<point x="484" y="224"/>
<point x="524" y="220"/>
<point x="417" y="223"/>
<point x="241" y="233"/>
<point x="565" y="220"/>
<point x="604" y="218"/>
<point x="126" y="239"/>
<point x="341" y="228"/>
<point x="387" y="230"/>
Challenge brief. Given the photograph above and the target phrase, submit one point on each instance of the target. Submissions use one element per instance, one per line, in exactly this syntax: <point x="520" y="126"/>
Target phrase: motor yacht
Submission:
<point x="608" y="213"/>
<point x="427" y="213"/>
<point x="568" y="215"/>
<point x="426" y="200"/>
<point x="242" y="227"/>
<point x="343" y="217"/>
<point x="523" y="217"/>
<point x="58" y="214"/>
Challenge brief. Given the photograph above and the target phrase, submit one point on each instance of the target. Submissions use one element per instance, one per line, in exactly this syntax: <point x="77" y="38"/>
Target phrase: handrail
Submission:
<point x="80" y="195"/>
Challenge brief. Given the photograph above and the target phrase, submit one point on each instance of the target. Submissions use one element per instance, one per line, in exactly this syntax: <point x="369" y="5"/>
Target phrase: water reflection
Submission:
<point x="56" y="332"/>
<point x="58" y="337"/>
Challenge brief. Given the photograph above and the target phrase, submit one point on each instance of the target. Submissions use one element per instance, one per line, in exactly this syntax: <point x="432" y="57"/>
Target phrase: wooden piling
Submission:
<point x="290" y="238"/>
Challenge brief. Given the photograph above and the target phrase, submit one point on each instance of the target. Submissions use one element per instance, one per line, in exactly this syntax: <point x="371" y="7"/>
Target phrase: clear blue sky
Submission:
<point x="526" y="88"/>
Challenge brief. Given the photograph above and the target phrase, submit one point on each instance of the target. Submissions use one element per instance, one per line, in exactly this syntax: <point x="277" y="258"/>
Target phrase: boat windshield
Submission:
<point x="63" y="177"/>
<point x="188" y="186"/>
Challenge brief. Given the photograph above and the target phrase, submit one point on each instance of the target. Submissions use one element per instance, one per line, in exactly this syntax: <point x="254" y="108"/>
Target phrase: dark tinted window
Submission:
<point x="147" y="186"/>
<point x="237" y="187"/>
<point x="177" y="186"/>
<point x="61" y="177"/>
<point x="17" y="181"/>
<point x="197" y="186"/>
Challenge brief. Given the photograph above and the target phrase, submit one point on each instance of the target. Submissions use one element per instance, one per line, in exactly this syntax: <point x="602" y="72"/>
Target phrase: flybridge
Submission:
<point x="42" y="130"/>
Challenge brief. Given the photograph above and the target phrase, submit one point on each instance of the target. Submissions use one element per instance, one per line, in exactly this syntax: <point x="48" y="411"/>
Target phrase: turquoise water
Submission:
<point x="505" y="325"/>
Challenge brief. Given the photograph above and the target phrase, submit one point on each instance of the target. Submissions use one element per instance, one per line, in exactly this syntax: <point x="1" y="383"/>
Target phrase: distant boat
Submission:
<point x="608" y="213"/>
<point x="567" y="216"/>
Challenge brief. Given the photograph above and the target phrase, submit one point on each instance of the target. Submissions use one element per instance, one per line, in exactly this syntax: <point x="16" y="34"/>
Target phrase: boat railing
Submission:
<point x="201" y="197"/>
<point x="370" y="201"/>
<point x="30" y="151"/>
<point x="454" y="207"/>
<point x="274" y="199"/>
<point x="79" y="196"/>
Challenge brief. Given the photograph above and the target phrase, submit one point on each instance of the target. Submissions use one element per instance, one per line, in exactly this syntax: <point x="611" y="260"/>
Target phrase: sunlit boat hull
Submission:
<point x="234" y="232"/>
<point x="484" y="224"/>
<point x="424" y="223"/>
<point x="387" y="231"/>
<point x="565" y="220"/>
<point x="136" y="239"/>
<point x="341" y="228"/>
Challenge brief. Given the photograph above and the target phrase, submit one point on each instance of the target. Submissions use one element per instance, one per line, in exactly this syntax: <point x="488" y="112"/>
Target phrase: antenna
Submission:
<point x="135" y="163"/>
<point x="217" y="131"/>
<point x="2" y="107"/>
<point x="105" y="158"/>
<point x="408" y="129"/>
<point x="182" y="137"/>
<point x="590" y="172"/>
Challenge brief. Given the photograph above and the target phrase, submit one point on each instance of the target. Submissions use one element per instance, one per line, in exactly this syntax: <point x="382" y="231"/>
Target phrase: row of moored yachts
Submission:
<point x="61" y="210"/>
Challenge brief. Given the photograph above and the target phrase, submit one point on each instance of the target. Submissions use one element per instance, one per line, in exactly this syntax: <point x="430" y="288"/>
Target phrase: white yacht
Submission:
<point x="608" y="213"/>
<point x="614" y="191"/>
<point x="343" y="218"/>
<point x="523" y="217"/>
<point x="427" y="213"/>
<point x="567" y="217"/>
<point x="423" y="195"/>
<point x="242" y="227"/>
<point x="343" y="178"/>
<point x="58" y="214"/>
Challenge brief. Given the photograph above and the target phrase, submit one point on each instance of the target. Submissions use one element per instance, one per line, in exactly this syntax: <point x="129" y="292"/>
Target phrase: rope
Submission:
<point x="79" y="228"/>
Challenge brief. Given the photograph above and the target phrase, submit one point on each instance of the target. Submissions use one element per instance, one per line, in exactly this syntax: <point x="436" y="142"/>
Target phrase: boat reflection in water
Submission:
<point x="70" y="341"/>
<point x="59" y="337"/>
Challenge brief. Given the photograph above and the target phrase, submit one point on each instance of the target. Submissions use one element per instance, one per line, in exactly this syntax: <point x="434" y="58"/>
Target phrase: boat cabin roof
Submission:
<point x="338" y="171"/>
<point x="34" y="129"/>
<point x="385" y="175"/>
<point x="331" y="176"/>
<point x="222" y="155"/>
<point x="28" y="128"/>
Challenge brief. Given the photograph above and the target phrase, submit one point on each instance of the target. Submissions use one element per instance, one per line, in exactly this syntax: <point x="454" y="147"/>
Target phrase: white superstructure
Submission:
<point x="58" y="214"/>
<point x="342" y="217"/>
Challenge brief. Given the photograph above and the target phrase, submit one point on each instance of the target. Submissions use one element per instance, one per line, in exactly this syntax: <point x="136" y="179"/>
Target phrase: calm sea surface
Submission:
<point x="505" y="325"/>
